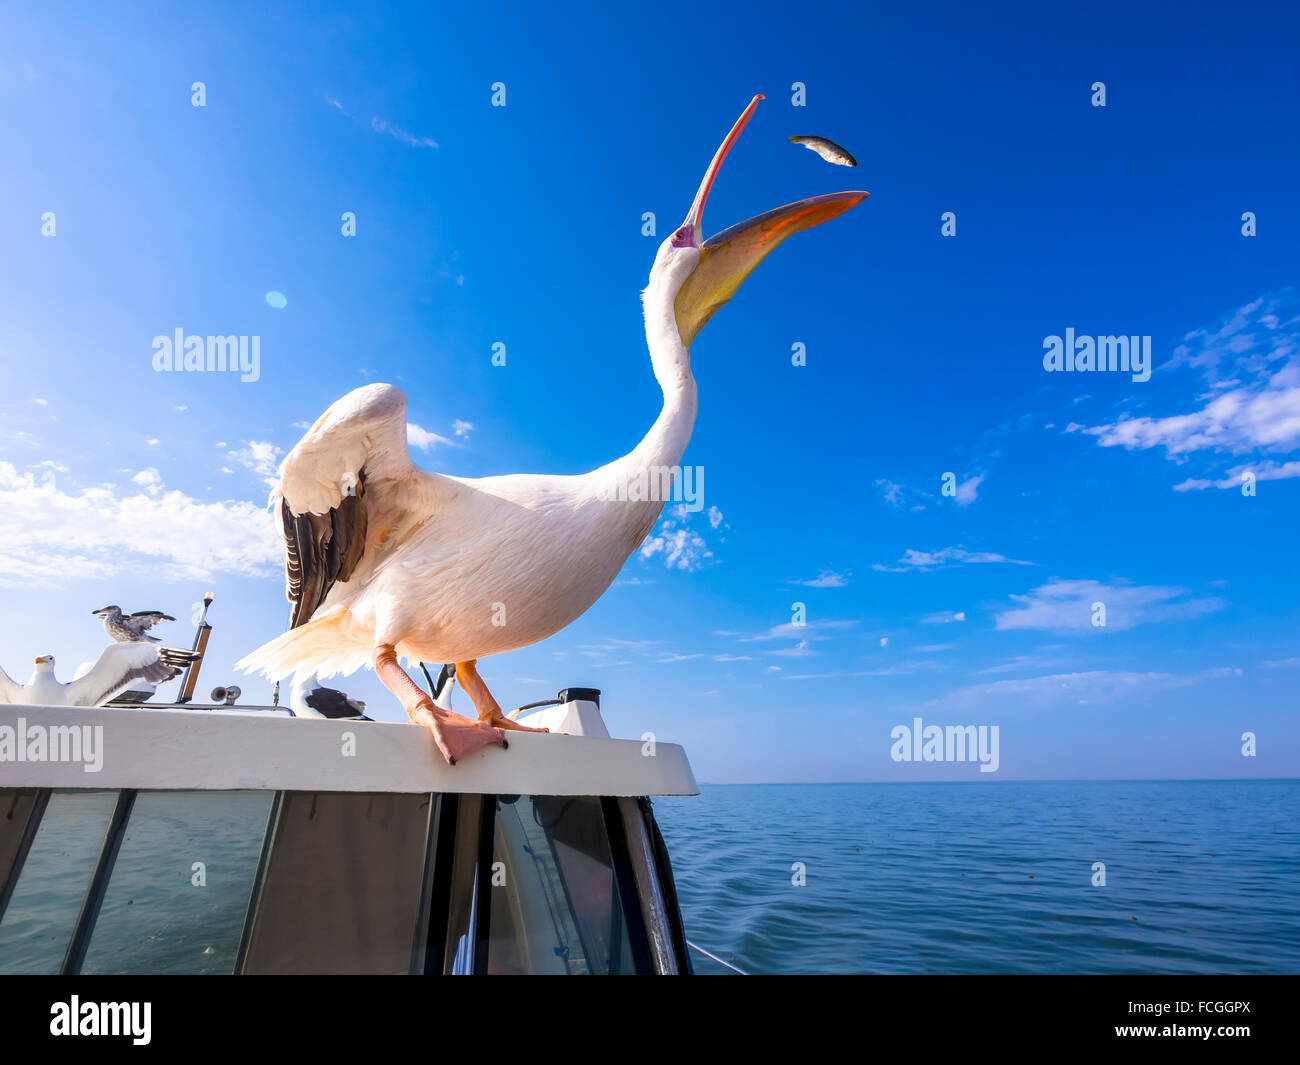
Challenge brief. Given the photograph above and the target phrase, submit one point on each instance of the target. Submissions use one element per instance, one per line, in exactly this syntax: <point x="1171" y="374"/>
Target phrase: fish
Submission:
<point x="827" y="149"/>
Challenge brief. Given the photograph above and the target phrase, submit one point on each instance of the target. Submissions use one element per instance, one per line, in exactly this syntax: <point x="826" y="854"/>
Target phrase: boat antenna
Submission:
<point x="203" y="631"/>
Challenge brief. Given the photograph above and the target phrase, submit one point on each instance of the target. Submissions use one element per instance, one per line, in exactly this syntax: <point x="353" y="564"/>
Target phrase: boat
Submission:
<point x="141" y="838"/>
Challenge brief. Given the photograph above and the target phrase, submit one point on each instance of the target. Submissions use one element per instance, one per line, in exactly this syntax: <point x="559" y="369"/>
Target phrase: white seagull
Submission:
<point x="386" y="559"/>
<point x="118" y="666"/>
<point x="310" y="698"/>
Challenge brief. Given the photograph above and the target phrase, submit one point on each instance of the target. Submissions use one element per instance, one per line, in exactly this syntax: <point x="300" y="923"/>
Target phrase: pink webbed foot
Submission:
<point x="457" y="737"/>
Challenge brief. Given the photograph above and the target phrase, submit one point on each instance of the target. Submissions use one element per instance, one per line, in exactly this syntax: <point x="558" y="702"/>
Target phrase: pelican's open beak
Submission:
<point x="730" y="257"/>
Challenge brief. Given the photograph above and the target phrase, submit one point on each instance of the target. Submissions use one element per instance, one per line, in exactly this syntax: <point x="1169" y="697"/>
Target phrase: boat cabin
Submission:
<point x="199" y="841"/>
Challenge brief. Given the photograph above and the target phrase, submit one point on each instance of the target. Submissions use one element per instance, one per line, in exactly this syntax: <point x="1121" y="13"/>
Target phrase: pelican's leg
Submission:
<point x="489" y="711"/>
<point x="456" y="736"/>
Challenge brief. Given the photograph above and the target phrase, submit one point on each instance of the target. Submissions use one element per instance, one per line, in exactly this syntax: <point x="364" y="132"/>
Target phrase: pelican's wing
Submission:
<point x="10" y="690"/>
<point x="118" y="666"/>
<point x="322" y="497"/>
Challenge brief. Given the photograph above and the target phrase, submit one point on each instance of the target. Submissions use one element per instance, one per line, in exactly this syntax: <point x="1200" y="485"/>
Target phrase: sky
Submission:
<point x="128" y="212"/>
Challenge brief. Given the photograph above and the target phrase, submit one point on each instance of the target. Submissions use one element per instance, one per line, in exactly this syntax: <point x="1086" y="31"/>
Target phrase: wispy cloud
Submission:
<point x="1092" y="688"/>
<point x="382" y="125"/>
<point x="1251" y="364"/>
<point x="968" y="490"/>
<point x="1235" y="477"/>
<point x="944" y="558"/>
<point x="1064" y="605"/>
<point x="418" y="436"/>
<point x="261" y="457"/>
<point x="825" y="579"/>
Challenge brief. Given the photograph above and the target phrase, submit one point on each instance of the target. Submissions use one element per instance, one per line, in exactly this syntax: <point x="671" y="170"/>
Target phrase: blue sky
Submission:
<point x="521" y="225"/>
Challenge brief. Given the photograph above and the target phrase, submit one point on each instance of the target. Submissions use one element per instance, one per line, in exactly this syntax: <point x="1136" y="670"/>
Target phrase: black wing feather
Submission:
<point x="321" y="550"/>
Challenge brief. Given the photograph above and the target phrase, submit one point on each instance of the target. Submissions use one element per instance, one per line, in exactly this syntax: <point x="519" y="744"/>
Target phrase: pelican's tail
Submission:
<point x="330" y="644"/>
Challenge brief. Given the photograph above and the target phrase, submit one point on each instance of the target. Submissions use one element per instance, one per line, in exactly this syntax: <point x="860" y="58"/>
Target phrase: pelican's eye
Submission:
<point x="684" y="237"/>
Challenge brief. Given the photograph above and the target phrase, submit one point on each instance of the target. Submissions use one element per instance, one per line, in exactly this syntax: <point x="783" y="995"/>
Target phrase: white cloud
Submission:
<point x="968" y="489"/>
<point x="892" y="492"/>
<point x="462" y="428"/>
<point x="1263" y="471"/>
<point x="1251" y="365"/>
<point x="943" y="617"/>
<point x="382" y="125"/>
<point x="825" y="579"/>
<point x="1063" y="605"/>
<point x="37" y="401"/>
<point x="800" y="650"/>
<point x="417" y="436"/>
<point x="49" y="536"/>
<point x="261" y="457"/>
<point x="1093" y="688"/>
<point x="947" y="556"/>
<point x="676" y="540"/>
<point x="681" y="548"/>
<point x="149" y="480"/>
<point x="789" y="630"/>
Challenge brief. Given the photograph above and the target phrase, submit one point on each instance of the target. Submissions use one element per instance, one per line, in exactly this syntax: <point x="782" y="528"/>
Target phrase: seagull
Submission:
<point x="310" y="698"/>
<point x="118" y="666"/>
<point x="130" y="628"/>
<point x="384" y="559"/>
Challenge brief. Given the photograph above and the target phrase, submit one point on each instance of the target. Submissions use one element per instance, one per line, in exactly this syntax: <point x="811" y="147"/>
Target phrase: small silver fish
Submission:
<point x="827" y="149"/>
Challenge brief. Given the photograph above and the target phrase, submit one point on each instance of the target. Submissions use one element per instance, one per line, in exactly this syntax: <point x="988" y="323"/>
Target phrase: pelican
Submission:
<point x="384" y="559"/>
<point x="118" y="666"/>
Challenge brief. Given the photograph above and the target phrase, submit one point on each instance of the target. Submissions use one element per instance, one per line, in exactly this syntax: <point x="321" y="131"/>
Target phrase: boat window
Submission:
<point x="342" y="887"/>
<point x="178" y="893"/>
<point x="555" y="901"/>
<point x="38" y="923"/>
<point x="17" y="805"/>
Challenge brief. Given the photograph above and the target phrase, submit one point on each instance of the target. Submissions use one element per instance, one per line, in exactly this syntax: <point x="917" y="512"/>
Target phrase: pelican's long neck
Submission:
<point x="666" y="441"/>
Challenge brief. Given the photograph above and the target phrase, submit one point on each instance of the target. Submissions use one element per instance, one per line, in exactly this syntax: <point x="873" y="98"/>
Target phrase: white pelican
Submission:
<point x="118" y="666"/>
<point x="386" y="559"/>
<point x="130" y="628"/>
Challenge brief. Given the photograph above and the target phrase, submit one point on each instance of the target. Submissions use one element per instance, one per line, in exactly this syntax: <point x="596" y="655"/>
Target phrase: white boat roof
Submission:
<point x="216" y="751"/>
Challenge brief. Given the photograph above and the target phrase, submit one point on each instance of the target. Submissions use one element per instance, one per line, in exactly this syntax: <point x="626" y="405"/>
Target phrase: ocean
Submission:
<point x="1199" y="876"/>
